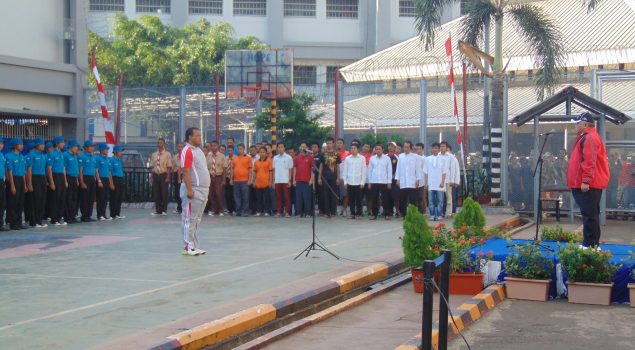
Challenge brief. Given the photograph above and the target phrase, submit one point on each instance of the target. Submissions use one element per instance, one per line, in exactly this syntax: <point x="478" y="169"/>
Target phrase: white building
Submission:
<point x="43" y="64"/>
<point x="325" y="34"/>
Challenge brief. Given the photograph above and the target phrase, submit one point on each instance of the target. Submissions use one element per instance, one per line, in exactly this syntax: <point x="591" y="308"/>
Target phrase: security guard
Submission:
<point x="116" y="195"/>
<point x="87" y="181"/>
<point x="57" y="182"/>
<point x="71" y="164"/>
<point x="36" y="183"/>
<point x="104" y="181"/>
<point x="16" y="169"/>
<point x="3" y="193"/>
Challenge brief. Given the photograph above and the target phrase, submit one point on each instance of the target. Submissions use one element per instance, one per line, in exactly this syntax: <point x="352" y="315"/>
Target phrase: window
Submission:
<point x="330" y="73"/>
<point x="250" y="7"/>
<point x="106" y="5"/>
<point x="153" y="6"/>
<point x="206" y="7"/>
<point x="342" y="8"/>
<point x="90" y="125"/>
<point x="407" y="8"/>
<point x="304" y="75"/>
<point x="299" y="8"/>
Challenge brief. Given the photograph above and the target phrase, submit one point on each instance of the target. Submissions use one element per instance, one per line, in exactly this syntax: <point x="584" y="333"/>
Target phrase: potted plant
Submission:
<point x="590" y="274"/>
<point x="528" y="273"/>
<point x="471" y="215"/>
<point x="417" y="245"/>
<point x="559" y="234"/>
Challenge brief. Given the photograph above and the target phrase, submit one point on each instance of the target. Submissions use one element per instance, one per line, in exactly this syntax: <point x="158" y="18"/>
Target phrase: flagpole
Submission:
<point x="448" y="51"/>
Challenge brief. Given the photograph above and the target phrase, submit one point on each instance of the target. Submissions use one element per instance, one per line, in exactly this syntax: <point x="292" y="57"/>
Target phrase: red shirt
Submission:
<point x="303" y="164"/>
<point x="588" y="163"/>
<point x="343" y="154"/>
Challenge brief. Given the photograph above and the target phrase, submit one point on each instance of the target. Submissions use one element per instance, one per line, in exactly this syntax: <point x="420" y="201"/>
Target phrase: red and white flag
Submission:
<point x="448" y="52"/>
<point x="101" y="93"/>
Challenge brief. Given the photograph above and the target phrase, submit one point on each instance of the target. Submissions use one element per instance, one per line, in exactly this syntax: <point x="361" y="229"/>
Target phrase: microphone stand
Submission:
<point x="315" y="245"/>
<point x="538" y="170"/>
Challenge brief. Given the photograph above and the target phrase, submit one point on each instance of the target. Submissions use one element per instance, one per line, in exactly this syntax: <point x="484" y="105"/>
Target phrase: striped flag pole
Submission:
<point x="448" y="52"/>
<point x="101" y="93"/>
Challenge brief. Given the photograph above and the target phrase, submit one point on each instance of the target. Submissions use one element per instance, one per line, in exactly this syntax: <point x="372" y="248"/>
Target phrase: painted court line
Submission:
<point x="71" y="243"/>
<point x="159" y="289"/>
<point x="28" y="275"/>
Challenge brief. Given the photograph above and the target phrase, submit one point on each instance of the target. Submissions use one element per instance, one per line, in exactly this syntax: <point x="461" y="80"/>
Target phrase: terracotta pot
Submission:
<point x="631" y="290"/>
<point x="466" y="283"/>
<point x="417" y="279"/>
<point x="525" y="289"/>
<point x="484" y="199"/>
<point x="590" y="293"/>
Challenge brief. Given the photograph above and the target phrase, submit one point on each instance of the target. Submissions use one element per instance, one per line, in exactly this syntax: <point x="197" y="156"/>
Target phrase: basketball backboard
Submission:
<point x="271" y="71"/>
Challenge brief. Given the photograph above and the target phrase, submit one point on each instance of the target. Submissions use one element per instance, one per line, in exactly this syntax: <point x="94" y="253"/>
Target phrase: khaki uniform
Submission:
<point x="217" y="184"/>
<point x="160" y="163"/>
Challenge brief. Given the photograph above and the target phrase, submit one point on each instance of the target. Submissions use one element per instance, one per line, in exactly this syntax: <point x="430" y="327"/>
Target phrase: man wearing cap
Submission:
<point x="587" y="175"/>
<point x="87" y="182"/>
<point x="116" y="194"/>
<point x="16" y="169"/>
<point x="57" y="182"/>
<point x="71" y="164"/>
<point x="104" y="181"/>
<point x="36" y="183"/>
<point x="161" y="164"/>
<point x="3" y="194"/>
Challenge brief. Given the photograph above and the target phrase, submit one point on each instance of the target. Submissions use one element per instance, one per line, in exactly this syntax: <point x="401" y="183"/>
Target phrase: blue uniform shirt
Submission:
<point x="36" y="160"/>
<point x="116" y="166"/>
<point x="87" y="164"/>
<point x="56" y="161"/>
<point x="3" y="166"/>
<point x="103" y="165"/>
<point x="71" y="164"/>
<point x="16" y="164"/>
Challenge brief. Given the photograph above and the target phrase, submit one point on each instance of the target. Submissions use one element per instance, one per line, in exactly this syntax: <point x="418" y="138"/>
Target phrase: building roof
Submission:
<point x="605" y="35"/>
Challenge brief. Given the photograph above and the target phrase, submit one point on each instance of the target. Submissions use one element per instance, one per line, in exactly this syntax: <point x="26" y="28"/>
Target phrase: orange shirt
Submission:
<point x="240" y="168"/>
<point x="263" y="168"/>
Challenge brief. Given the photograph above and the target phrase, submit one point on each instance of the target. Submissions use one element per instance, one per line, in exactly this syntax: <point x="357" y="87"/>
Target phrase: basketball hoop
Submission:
<point x="251" y="94"/>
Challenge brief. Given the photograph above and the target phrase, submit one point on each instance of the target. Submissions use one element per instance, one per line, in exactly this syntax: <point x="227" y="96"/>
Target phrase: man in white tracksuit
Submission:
<point x="194" y="189"/>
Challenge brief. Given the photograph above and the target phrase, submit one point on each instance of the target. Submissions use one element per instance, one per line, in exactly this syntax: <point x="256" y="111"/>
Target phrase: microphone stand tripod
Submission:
<point x="315" y="245"/>
<point x="538" y="169"/>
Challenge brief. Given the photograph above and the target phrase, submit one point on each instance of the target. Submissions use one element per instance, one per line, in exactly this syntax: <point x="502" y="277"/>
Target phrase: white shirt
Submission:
<point x="380" y="170"/>
<point x="281" y="165"/>
<point x="454" y="171"/>
<point x="354" y="170"/>
<point x="435" y="168"/>
<point x="409" y="170"/>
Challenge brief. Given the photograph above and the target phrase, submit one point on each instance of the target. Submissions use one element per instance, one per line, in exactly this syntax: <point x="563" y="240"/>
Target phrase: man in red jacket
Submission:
<point x="588" y="175"/>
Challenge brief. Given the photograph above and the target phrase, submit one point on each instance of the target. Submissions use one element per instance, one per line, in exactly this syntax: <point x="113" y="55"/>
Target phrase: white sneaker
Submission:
<point x="200" y="251"/>
<point x="120" y="217"/>
<point x="190" y="252"/>
<point x="266" y="214"/>
<point x="63" y="223"/>
<point x="176" y="212"/>
<point x="210" y="214"/>
<point x="257" y="214"/>
<point x="101" y="218"/>
<point x="155" y="214"/>
<point x="164" y="213"/>
<point x="57" y="224"/>
<point x="108" y="218"/>
<point x="221" y="214"/>
<point x="39" y="226"/>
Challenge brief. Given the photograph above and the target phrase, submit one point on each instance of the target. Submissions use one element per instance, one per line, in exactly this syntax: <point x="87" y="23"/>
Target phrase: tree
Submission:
<point x="149" y="53"/>
<point x="373" y="139"/>
<point x="295" y="124"/>
<point x="530" y="21"/>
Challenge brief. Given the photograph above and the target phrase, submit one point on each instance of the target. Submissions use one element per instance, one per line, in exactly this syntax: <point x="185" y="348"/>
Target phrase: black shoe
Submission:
<point x="14" y="227"/>
<point x="4" y="229"/>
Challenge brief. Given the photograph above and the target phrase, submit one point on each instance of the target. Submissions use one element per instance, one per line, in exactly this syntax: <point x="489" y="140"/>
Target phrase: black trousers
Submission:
<point x="253" y="206"/>
<point x="394" y="195"/>
<point x="15" y="202"/>
<point x="408" y="196"/>
<point x="116" y="196"/>
<point x="58" y="197"/>
<point x="38" y="199"/>
<point x="229" y="197"/>
<point x="88" y="197"/>
<point x="263" y="200"/>
<point x="102" y="197"/>
<point x="377" y="190"/>
<point x="589" y="203"/>
<point x="355" y="199"/>
<point x="3" y="201"/>
<point x="329" y="200"/>
<point x="176" y="191"/>
<point x="71" y="202"/>
<point x="160" y="191"/>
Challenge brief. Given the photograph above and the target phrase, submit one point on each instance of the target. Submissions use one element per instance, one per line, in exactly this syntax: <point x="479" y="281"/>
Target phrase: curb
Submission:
<point x="217" y="331"/>
<point x="465" y="315"/>
<point x="513" y="221"/>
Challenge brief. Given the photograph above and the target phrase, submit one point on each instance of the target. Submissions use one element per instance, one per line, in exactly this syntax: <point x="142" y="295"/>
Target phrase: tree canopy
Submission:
<point x="149" y="53"/>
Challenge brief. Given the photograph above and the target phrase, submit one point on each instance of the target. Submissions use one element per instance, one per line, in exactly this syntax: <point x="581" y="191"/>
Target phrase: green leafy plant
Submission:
<point x="586" y="265"/>
<point x="529" y="262"/>
<point x="460" y="245"/>
<point x="558" y="233"/>
<point x="417" y="242"/>
<point x="471" y="215"/>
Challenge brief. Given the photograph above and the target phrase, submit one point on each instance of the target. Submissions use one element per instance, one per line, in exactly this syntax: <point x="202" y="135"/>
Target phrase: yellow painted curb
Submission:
<point x="473" y="309"/>
<point x="361" y="277"/>
<point x="489" y="299"/>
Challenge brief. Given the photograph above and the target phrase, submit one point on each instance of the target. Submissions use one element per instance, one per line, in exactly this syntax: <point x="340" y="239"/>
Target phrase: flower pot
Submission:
<point x="417" y="279"/>
<point x="484" y="199"/>
<point x="590" y="293"/>
<point x="466" y="283"/>
<point x="525" y="289"/>
<point x="631" y="290"/>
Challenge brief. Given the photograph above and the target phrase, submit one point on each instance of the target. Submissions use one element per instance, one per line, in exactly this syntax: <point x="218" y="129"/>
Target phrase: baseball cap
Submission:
<point x="584" y="117"/>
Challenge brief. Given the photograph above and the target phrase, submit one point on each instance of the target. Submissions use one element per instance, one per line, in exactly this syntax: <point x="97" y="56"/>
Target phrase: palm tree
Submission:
<point x="530" y="21"/>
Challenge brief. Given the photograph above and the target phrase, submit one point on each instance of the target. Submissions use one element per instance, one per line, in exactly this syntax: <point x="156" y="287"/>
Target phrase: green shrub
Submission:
<point x="417" y="238"/>
<point x="471" y="215"/>
<point x="586" y="265"/>
<point x="559" y="234"/>
<point x="528" y="262"/>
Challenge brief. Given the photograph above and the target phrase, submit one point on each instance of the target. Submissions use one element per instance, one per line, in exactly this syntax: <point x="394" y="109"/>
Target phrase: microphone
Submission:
<point x="553" y="131"/>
